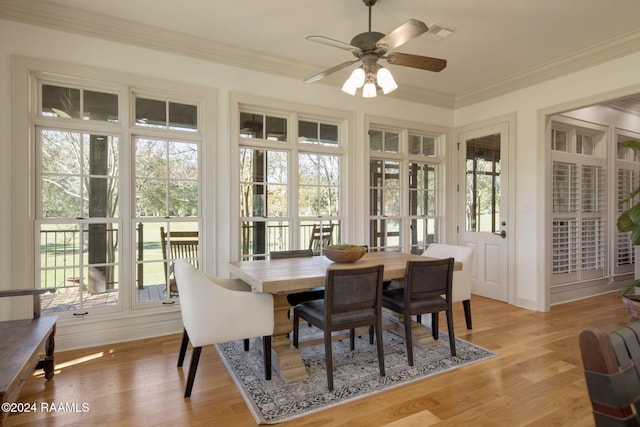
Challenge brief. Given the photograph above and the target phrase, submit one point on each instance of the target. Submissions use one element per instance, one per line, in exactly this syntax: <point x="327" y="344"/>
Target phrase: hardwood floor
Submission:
<point x="537" y="380"/>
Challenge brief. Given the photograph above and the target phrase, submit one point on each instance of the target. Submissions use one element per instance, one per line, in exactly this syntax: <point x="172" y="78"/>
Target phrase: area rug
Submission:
<point x="355" y="373"/>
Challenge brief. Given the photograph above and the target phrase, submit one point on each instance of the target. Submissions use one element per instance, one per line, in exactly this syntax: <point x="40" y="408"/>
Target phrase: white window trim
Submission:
<point x="129" y="323"/>
<point x="293" y="112"/>
<point x="404" y="128"/>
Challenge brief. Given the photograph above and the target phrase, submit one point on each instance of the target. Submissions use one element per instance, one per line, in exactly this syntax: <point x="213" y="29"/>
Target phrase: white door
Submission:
<point x="483" y="192"/>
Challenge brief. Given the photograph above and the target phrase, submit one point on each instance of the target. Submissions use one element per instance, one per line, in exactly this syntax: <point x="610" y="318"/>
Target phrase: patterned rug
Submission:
<point x="355" y="373"/>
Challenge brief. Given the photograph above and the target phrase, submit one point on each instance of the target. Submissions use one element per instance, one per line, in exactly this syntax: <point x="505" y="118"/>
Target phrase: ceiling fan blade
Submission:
<point x="331" y="70"/>
<point x="333" y="43"/>
<point x="417" y="61"/>
<point x="405" y="32"/>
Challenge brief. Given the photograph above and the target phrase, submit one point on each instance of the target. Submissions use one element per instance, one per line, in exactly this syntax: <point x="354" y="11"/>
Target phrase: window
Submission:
<point x="290" y="180"/>
<point x="627" y="180"/>
<point x="87" y="206"/>
<point x="579" y="205"/>
<point x="404" y="189"/>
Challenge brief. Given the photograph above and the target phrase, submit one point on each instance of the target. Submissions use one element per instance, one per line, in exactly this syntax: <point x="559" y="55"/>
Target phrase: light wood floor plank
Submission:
<point x="537" y="380"/>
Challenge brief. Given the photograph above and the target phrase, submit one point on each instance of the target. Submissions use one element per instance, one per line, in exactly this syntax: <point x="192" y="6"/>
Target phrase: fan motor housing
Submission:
<point x="367" y="41"/>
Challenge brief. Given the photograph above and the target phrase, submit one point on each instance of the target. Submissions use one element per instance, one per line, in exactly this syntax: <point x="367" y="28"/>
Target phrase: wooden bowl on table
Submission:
<point x="344" y="253"/>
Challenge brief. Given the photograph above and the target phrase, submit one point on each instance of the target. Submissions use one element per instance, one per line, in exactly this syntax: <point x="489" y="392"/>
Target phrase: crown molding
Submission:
<point x="595" y="55"/>
<point x="64" y="18"/>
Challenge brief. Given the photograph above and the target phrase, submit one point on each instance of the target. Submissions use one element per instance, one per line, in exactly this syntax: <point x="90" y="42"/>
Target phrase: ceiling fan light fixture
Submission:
<point x="369" y="90"/>
<point x="355" y="81"/>
<point x="386" y="81"/>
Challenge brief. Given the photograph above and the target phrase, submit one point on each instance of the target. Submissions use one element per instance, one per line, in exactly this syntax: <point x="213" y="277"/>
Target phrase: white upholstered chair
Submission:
<point x="461" y="278"/>
<point x="216" y="310"/>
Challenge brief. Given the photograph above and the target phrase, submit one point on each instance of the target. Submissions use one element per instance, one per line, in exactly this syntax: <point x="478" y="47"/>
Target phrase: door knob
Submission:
<point x="502" y="234"/>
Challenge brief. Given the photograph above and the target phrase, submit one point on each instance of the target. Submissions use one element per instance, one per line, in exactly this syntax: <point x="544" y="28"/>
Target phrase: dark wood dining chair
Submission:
<point x="299" y="297"/>
<point x="612" y="371"/>
<point x="352" y="299"/>
<point x="427" y="289"/>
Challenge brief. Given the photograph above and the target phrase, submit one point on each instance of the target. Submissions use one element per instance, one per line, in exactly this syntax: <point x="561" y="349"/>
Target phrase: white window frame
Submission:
<point x="27" y="72"/>
<point x="580" y="273"/>
<point x="293" y="112"/>
<point x="404" y="129"/>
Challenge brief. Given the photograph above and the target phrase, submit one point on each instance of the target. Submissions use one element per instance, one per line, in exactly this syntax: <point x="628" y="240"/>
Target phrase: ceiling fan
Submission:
<point x="371" y="46"/>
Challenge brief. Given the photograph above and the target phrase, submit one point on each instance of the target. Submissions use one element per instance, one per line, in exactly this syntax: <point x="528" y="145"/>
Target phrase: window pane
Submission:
<point x="483" y="184"/>
<point x="183" y="198"/>
<point x="559" y="140"/>
<point x="307" y="131"/>
<point x="276" y="129"/>
<point x="385" y="234"/>
<point x="81" y="261"/>
<point x="183" y="160"/>
<point x="415" y="144"/>
<point x="167" y="175"/>
<point x="151" y="112"/>
<point x="375" y="140"/>
<point x="100" y="106"/>
<point x="60" y="101"/>
<point x="261" y="237"/>
<point x="183" y="116"/>
<point x="251" y="125"/>
<point x="79" y="175"/>
<point x="276" y="201"/>
<point x="392" y="142"/>
<point x="328" y="134"/>
<point x="424" y="231"/>
<point x="277" y="166"/>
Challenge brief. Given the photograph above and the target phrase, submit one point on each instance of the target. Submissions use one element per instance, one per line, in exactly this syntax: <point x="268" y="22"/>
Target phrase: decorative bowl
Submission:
<point x="343" y="253"/>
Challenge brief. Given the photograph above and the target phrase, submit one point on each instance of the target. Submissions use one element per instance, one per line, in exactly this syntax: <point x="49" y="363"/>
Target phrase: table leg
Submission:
<point x="48" y="362"/>
<point x="420" y="334"/>
<point x="286" y="359"/>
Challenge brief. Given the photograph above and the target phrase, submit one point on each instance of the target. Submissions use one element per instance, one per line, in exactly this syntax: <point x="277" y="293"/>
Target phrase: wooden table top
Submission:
<point x="298" y="274"/>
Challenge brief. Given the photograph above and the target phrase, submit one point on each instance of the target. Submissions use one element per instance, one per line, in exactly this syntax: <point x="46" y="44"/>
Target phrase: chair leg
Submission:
<point x="195" y="358"/>
<point x="371" y="334"/>
<point x="419" y="318"/>
<point x="266" y="349"/>
<point x="452" y="338"/>
<point x="328" y="355"/>
<point x="408" y="338"/>
<point x="380" y="346"/>
<point x="183" y="348"/>
<point x="296" y="328"/>
<point x="434" y="324"/>
<point x="467" y="312"/>
<point x="352" y="339"/>
<point x="246" y="344"/>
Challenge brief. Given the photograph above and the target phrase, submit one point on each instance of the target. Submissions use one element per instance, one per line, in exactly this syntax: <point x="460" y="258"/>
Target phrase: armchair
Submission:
<point x="215" y="310"/>
<point x="461" y="290"/>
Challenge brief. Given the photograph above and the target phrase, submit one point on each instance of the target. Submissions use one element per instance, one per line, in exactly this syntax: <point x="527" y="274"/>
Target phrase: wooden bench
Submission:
<point x="22" y="341"/>
<point x="612" y="371"/>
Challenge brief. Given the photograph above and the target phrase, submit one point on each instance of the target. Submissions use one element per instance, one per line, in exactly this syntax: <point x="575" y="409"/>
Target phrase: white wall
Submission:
<point x="603" y="82"/>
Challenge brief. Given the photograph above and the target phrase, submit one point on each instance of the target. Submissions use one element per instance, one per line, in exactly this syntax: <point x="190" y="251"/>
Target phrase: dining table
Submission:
<point x="281" y="277"/>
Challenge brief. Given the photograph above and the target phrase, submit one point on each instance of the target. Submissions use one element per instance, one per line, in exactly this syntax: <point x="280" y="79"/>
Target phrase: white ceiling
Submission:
<point x="497" y="45"/>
